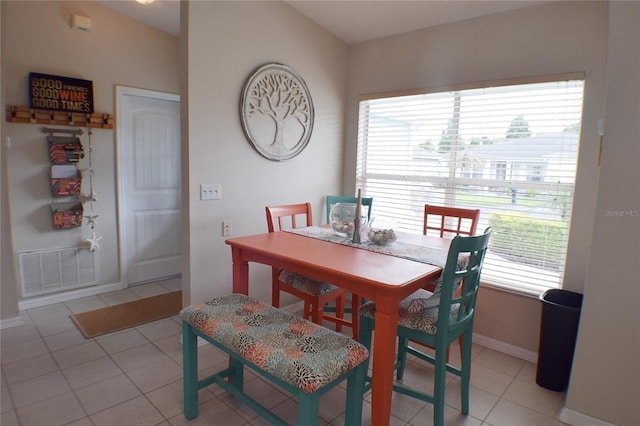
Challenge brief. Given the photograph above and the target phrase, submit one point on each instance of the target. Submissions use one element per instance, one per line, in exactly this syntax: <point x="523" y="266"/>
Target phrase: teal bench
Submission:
<point x="301" y="357"/>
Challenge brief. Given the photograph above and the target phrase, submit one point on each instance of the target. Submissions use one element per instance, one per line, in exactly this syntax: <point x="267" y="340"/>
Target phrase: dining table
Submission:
<point x="375" y="273"/>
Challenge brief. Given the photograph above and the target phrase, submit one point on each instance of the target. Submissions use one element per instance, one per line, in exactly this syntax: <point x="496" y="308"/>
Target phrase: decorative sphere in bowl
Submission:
<point x="342" y="218"/>
<point x="382" y="231"/>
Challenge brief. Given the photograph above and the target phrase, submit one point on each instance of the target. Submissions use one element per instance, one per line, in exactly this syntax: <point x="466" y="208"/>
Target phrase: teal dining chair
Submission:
<point x="449" y="222"/>
<point x="438" y="326"/>
<point x="334" y="199"/>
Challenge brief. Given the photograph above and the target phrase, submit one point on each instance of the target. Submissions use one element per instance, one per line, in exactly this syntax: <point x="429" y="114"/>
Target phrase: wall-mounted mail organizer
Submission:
<point x="21" y="114"/>
<point x="64" y="149"/>
<point x="66" y="215"/>
<point x="65" y="179"/>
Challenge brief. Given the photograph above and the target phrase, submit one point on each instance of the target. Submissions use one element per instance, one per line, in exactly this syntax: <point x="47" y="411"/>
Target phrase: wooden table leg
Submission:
<point x="384" y="350"/>
<point x="240" y="273"/>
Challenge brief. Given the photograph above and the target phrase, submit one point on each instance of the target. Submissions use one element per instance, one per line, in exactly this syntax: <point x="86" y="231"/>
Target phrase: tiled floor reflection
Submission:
<point x="52" y="375"/>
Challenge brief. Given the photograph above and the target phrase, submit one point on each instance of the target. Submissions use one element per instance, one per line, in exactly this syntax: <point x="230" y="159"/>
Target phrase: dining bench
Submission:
<point x="303" y="358"/>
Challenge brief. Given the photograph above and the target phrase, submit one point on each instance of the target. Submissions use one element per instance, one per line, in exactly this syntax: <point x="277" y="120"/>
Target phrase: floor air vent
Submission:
<point x="51" y="271"/>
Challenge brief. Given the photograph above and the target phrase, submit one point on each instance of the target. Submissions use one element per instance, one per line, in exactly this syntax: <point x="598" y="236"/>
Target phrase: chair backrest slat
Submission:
<point x="474" y="248"/>
<point x="280" y="217"/>
<point x="451" y="220"/>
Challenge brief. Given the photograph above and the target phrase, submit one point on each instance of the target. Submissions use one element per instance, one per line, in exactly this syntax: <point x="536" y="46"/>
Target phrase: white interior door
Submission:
<point x="148" y="148"/>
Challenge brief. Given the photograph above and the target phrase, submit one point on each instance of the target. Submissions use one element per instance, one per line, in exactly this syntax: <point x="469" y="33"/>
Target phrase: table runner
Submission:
<point x="418" y="253"/>
<point x="424" y="254"/>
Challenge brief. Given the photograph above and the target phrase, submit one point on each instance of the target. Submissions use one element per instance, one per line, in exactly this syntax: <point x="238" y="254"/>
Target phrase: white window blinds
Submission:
<point x="509" y="150"/>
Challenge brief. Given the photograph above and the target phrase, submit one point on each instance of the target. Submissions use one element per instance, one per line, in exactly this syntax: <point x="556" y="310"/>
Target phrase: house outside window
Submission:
<point x="509" y="150"/>
<point x="500" y="170"/>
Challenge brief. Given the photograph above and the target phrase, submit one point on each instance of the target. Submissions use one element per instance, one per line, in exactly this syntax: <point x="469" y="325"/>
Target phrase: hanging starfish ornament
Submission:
<point x="91" y="220"/>
<point x="94" y="242"/>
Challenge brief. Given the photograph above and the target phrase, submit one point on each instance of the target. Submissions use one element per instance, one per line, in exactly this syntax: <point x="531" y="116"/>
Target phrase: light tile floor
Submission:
<point x="52" y="375"/>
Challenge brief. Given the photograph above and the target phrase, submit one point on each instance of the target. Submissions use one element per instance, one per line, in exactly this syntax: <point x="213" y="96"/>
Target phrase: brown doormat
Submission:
<point x="118" y="317"/>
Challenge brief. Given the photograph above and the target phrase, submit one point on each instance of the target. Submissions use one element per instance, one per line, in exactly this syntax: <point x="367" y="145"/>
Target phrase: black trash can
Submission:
<point x="558" y="330"/>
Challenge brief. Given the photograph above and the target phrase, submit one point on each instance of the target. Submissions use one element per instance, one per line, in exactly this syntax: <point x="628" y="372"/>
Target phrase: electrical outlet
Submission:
<point x="226" y="228"/>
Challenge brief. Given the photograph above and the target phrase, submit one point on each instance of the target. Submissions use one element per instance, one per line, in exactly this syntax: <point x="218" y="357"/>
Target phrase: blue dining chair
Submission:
<point x="438" y="326"/>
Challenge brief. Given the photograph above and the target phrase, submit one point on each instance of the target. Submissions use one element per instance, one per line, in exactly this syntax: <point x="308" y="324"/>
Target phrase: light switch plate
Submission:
<point x="210" y="191"/>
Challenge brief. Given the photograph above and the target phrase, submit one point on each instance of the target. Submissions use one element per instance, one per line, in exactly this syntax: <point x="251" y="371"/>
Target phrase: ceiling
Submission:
<point x="351" y="21"/>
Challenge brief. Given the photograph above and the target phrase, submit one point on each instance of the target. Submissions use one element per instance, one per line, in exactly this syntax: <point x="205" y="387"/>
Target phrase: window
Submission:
<point x="510" y="150"/>
<point x="501" y="170"/>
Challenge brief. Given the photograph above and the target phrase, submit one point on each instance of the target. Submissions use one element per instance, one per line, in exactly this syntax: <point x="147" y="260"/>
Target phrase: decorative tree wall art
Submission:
<point x="277" y="112"/>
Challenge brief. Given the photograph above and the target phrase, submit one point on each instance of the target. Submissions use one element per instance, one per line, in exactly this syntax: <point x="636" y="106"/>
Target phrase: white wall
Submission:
<point x="605" y="381"/>
<point x="9" y="305"/>
<point x="539" y="40"/>
<point x="226" y="42"/>
<point x="37" y="37"/>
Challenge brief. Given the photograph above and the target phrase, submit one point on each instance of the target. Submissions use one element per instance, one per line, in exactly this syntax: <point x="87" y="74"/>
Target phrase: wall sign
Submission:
<point x="55" y="93"/>
<point x="277" y="112"/>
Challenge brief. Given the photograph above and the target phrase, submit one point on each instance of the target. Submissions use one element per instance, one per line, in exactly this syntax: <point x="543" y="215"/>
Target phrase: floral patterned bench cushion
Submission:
<point x="305" y="284"/>
<point x="415" y="312"/>
<point x="299" y="352"/>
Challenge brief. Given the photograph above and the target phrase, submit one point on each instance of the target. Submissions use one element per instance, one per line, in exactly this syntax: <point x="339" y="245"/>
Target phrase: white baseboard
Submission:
<point x="579" y="419"/>
<point x="505" y="348"/>
<point x="11" y="322"/>
<point x="49" y="299"/>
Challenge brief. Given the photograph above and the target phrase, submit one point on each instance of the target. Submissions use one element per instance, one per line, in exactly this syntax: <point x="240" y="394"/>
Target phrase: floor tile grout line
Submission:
<point x="34" y="321"/>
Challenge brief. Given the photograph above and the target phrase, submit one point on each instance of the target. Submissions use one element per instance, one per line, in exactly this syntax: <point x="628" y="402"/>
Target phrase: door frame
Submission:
<point x="121" y="92"/>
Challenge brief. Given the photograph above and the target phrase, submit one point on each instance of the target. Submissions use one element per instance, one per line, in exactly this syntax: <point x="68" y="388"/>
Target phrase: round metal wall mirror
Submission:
<point x="277" y="112"/>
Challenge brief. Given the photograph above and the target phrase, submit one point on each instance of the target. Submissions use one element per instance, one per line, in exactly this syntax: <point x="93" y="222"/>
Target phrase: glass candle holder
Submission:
<point x="382" y="231"/>
<point x="342" y="218"/>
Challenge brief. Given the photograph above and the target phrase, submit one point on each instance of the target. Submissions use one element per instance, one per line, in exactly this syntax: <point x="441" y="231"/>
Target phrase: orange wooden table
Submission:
<point x="382" y="278"/>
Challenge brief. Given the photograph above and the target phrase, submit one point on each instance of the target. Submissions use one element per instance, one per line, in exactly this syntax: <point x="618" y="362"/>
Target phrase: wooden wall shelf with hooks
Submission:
<point x="98" y="120"/>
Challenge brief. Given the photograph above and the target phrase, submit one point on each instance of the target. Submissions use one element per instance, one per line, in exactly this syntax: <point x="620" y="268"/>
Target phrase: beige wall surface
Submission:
<point x="227" y="41"/>
<point x="9" y="303"/>
<point x="605" y="381"/>
<point x="117" y="50"/>
<point x="533" y="41"/>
